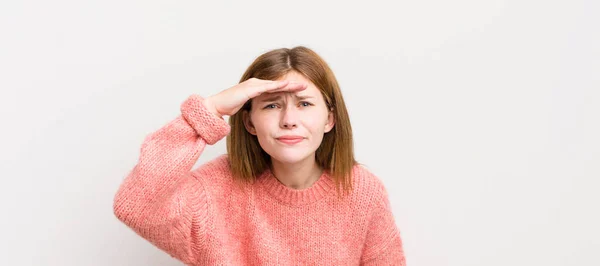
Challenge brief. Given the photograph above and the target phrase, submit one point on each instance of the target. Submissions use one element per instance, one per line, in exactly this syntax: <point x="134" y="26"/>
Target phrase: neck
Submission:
<point x="299" y="175"/>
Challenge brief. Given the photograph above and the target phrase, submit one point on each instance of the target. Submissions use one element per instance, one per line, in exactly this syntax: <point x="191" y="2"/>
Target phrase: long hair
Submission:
<point x="335" y="154"/>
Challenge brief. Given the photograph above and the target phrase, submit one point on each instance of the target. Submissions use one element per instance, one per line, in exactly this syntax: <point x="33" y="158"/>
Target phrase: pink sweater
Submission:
<point x="201" y="217"/>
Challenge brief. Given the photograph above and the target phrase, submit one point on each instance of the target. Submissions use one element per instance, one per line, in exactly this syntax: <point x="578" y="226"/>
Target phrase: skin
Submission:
<point x="293" y="165"/>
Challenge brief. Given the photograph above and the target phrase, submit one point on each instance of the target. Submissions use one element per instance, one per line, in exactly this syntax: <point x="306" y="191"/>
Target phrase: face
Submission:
<point x="302" y="114"/>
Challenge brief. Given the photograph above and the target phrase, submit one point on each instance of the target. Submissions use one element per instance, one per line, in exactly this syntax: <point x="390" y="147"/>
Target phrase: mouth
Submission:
<point x="290" y="140"/>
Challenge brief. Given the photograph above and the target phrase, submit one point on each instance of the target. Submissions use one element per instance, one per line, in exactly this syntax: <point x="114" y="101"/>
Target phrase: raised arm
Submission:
<point x="159" y="199"/>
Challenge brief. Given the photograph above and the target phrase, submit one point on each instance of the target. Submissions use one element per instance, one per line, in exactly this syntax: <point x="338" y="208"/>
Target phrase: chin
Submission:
<point x="289" y="156"/>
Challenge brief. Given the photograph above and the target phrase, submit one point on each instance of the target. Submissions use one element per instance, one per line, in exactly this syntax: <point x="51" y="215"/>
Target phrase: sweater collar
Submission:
<point x="319" y="189"/>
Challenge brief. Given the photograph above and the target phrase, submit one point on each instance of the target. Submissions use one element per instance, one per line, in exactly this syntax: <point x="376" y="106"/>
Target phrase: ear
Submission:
<point x="248" y="123"/>
<point x="330" y="121"/>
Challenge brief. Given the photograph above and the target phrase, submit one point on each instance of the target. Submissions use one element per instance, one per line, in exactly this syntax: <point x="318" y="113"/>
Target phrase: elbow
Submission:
<point x="117" y="210"/>
<point x="120" y="208"/>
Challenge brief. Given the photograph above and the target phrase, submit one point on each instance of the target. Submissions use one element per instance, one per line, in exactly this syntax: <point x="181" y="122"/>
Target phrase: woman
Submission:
<point x="288" y="192"/>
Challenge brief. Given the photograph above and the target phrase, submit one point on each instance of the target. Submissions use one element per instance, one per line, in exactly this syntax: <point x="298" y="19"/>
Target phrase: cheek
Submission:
<point x="263" y="123"/>
<point x="315" y="123"/>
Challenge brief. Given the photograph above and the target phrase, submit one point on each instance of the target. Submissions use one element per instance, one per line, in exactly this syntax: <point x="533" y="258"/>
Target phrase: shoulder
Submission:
<point x="218" y="163"/>
<point x="366" y="180"/>
<point x="368" y="186"/>
<point x="216" y="170"/>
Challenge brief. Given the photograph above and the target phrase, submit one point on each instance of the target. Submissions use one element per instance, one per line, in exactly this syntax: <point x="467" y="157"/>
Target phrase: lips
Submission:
<point x="290" y="139"/>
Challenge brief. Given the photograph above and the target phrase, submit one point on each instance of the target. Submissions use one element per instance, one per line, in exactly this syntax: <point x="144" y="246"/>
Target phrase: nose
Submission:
<point x="289" y="117"/>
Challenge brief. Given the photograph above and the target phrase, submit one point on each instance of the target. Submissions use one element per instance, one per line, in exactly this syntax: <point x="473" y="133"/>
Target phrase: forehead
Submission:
<point x="294" y="76"/>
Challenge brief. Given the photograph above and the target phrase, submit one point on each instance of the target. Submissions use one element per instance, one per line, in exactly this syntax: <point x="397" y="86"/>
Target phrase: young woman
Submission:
<point x="288" y="191"/>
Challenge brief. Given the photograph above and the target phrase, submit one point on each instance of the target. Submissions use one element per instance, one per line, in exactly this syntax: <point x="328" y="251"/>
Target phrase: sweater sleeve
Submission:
<point x="383" y="244"/>
<point x="159" y="198"/>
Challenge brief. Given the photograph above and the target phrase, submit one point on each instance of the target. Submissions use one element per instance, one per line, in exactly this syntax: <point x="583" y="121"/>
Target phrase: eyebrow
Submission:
<point x="277" y="97"/>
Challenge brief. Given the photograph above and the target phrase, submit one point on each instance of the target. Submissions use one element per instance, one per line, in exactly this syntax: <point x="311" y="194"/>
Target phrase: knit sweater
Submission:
<point x="202" y="217"/>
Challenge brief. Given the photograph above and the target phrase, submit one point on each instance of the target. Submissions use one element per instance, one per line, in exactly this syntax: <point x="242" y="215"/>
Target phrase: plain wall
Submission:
<point x="481" y="117"/>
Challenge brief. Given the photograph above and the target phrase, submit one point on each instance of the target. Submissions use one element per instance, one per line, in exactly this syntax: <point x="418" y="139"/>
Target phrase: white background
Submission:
<point x="481" y="117"/>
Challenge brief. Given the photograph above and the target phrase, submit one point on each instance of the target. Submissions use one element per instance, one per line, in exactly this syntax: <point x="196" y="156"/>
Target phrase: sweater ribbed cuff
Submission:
<point x="208" y="125"/>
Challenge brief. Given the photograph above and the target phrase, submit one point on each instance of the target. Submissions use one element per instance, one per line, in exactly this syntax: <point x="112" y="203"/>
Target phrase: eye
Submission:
<point x="269" y="106"/>
<point x="272" y="106"/>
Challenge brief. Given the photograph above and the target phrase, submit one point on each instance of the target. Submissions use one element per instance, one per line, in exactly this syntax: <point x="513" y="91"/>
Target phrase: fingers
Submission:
<point x="273" y="85"/>
<point x="267" y="87"/>
<point x="290" y="87"/>
<point x="277" y="86"/>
